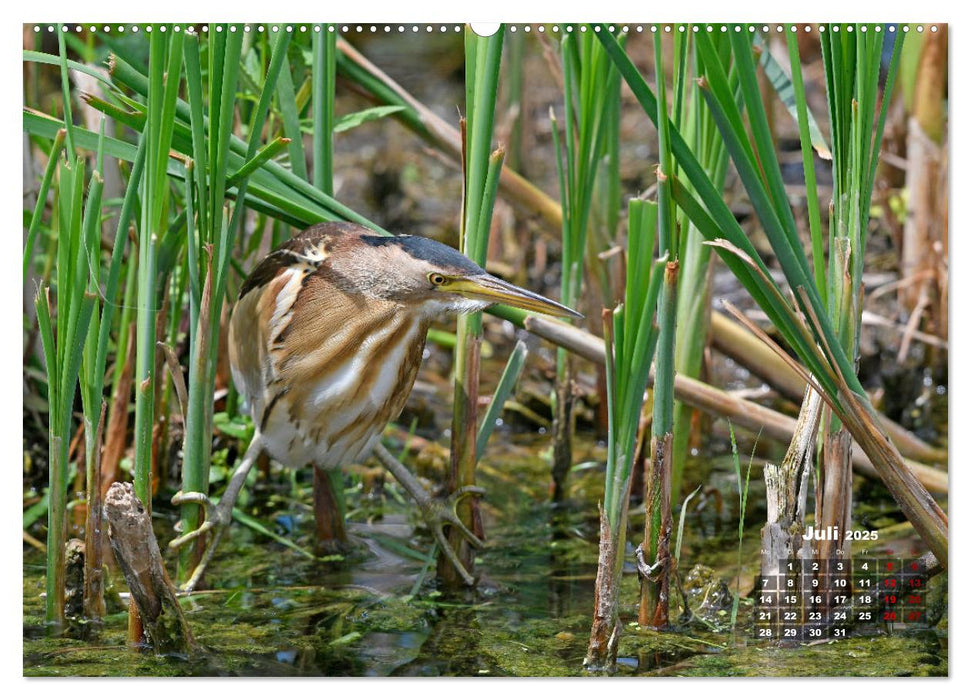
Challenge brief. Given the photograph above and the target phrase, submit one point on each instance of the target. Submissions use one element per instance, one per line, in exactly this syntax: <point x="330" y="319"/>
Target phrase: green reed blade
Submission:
<point x="324" y="77"/>
<point x="668" y="247"/>
<point x="807" y="142"/>
<point x="761" y="134"/>
<point x="118" y="253"/>
<point x="507" y="382"/>
<point x="45" y="325"/>
<point x="45" y="183"/>
<point x="193" y="82"/>
<point x="483" y="56"/>
<point x="486" y="53"/>
<point x="268" y="152"/>
<point x="66" y="95"/>
<point x="791" y="91"/>
<point x="51" y="60"/>
<point x="287" y="100"/>
<point x="273" y="175"/>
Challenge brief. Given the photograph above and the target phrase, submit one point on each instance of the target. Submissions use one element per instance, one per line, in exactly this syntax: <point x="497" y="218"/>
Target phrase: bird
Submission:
<point x="325" y="342"/>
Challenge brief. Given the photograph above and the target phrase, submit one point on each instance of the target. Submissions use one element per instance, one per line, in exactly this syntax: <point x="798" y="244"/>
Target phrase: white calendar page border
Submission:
<point x="518" y="11"/>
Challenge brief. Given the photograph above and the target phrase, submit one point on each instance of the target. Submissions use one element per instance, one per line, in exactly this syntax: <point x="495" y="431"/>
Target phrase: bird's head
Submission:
<point x="432" y="276"/>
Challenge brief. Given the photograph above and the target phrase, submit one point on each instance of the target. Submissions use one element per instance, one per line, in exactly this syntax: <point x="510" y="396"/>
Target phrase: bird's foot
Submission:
<point x="436" y="512"/>
<point x="648" y="571"/>
<point x="216" y="518"/>
<point x="439" y="512"/>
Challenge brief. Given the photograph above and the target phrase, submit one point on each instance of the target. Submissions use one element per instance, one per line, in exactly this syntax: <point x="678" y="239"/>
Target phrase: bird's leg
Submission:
<point x="435" y="512"/>
<point x="218" y="515"/>
<point x="329" y="511"/>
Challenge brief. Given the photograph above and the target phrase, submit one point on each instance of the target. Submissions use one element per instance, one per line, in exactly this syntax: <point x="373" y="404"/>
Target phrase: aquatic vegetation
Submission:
<point x="481" y="166"/>
<point x="154" y="186"/>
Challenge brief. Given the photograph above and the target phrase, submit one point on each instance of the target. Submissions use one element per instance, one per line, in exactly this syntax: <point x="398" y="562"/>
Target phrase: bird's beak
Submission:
<point x="497" y="291"/>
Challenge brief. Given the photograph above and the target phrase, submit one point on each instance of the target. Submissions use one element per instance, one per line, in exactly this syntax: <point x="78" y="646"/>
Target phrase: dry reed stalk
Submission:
<point x="606" y="628"/>
<point x="834" y="495"/>
<point x="743" y="413"/>
<point x="786" y="489"/>
<point x="514" y="187"/>
<point x="924" y="227"/>
<point x="737" y="342"/>
<point x="94" y="600"/>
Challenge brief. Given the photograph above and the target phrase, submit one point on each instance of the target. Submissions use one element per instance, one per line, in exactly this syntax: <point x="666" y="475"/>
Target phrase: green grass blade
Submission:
<point x="807" y="143"/>
<point x="45" y="325"/>
<point x="488" y="51"/>
<point x="792" y="92"/>
<point x="291" y="119"/>
<point x="258" y="527"/>
<point x="50" y="60"/>
<point x="324" y="76"/>
<point x="196" y="119"/>
<point x="768" y="297"/>
<point x="66" y="95"/>
<point x="72" y="365"/>
<point x="349" y="121"/>
<point x="268" y="152"/>
<point x="504" y="389"/>
<point x="668" y="247"/>
<point x="765" y="146"/>
<point x="892" y="71"/>
<point x="45" y="183"/>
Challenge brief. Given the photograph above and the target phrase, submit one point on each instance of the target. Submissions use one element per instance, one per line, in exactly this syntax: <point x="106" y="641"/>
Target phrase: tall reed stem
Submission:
<point x="482" y="56"/>
<point x="657" y="499"/>
<point x="324" y="76"/>
<point x="630" y="338"/>
<point x="803" y="322"/>
<point x="92" y="402"/>
<point x="590" y="85"/>
<point x="212" y="235"/>
<point x="694" y="283"/>
<point x="62" y="355"/>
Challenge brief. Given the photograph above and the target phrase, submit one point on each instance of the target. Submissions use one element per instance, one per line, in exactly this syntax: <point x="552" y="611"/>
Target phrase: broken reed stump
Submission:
<point x="74" y="558"/>
<point x="786" y="488"/>
<point x="606" y="629"/>
<point x="137" y="554"/>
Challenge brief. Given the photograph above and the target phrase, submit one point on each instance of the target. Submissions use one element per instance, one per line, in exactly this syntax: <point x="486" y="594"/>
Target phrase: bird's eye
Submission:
<point x="436" y="279"/>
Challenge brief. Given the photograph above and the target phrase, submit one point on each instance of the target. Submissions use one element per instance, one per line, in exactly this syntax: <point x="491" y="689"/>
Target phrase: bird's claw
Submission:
<point x="441" y="511"/>
<point x="438" y="512"/>
<point x="648" y="571"/>
<point x="183" y="497"/>
<point x="216" y="518"/>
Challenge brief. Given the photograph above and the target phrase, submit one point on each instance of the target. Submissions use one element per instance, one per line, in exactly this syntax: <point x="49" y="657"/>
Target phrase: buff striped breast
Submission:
<point x="322" y="400"/>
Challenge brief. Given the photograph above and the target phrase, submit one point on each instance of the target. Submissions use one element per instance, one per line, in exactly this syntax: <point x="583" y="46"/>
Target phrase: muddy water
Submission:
<point x="377" y="612"/>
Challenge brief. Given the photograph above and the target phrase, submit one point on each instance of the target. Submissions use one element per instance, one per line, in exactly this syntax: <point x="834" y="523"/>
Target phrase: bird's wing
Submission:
<point x="262" y="312"/>
<point x="276" y="324"/>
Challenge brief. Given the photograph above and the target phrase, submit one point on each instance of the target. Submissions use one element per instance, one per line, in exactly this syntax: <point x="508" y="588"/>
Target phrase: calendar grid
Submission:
<point x="814" y="600"/>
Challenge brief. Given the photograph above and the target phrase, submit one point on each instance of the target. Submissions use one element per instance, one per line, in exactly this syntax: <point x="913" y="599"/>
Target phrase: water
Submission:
<point x="275" y="612"/>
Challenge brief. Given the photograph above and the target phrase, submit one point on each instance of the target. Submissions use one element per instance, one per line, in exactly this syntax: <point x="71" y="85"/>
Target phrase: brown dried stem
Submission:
<point x="743" y="413"/>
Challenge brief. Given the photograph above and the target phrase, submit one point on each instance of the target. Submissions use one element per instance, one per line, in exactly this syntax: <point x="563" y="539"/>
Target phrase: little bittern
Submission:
<point x="325" y="342"/>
